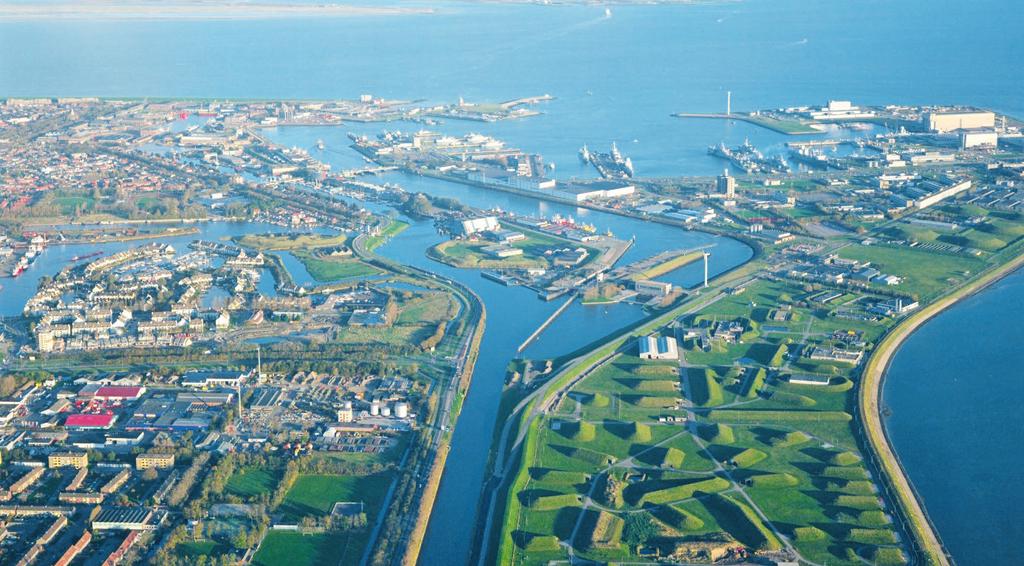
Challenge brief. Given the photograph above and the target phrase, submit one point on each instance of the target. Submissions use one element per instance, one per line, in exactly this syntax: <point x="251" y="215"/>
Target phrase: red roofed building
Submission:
<point x="118" y="392"/>
<point x="84" y="421"/>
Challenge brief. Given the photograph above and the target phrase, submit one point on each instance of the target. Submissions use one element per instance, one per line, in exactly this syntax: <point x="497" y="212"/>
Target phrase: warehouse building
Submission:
<point x="658" y="348"/>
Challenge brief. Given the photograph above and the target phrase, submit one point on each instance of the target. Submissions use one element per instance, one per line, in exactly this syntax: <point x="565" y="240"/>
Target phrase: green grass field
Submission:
<point x="251" y="482"/>
<point x="317" y="494"/>
<point x="334" y="269"/>
<point x="297" y="549"/>
<point x="926" y="274"/>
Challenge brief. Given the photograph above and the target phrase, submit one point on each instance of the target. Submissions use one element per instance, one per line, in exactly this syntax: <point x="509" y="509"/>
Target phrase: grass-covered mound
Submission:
<point x="663" y="457"/>
<point x="808" y="534"/>
<point x="677" y="518"/>
<point x="773" y="480"/>
<point x="740" y="521"/>
<point x="705" y="390"/>
<point x="793" y="399"/>
<point x="597" y="400"/>
<point x="873" y="518"/>
<point x="656" y="386"/>
<point x="748" y="458"/>
<point x="552" y="502"/>
<point x="788" y="439"/>
<point x="718" y="433"/>
<point x="844" y="473"/>
<point x="561" y="477"/>
<point x="875" y="537"/>
<point x="636" y="432"/>
<point x="846" y="458"/>
<point x="865" y="502"/>
<point x="580" y="431"/>
<point x="541" y="543"/>
<point x="592" y="457"/>
<point x="754" y="383"/>
<point x="650" y="402"/>
<point x="888" y="556"/>
<point x="656" y="370"/>
<point x="768" y="416"/>
<point x="605" y="529"/>
<point x="683" y="491"/>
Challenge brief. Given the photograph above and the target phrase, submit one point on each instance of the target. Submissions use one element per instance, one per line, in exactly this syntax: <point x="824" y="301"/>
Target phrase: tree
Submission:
<point x="639" y="529"/>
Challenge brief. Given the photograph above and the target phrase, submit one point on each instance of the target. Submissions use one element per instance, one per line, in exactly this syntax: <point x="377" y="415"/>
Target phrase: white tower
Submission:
<point x="706" y="256"/>
<point x="728" y="103"/>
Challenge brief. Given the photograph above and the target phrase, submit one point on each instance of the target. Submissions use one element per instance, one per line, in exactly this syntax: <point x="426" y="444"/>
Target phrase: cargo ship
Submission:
<point x="86" y="256"/>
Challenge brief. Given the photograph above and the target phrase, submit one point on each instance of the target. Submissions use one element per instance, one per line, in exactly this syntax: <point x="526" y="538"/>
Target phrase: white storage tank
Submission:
<point x="402" y="410"/>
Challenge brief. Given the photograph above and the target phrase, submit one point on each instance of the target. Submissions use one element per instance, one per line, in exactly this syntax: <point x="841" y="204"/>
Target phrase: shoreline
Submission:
<point x="195" y="10"/>
<point x="911" y="504"/>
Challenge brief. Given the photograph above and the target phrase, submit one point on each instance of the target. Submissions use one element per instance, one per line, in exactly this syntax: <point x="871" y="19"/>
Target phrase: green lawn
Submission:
<point x="926" y="274"/>
<point x="333" y="269"/>
<point x="322" y="549"/>
<point x="251" y="482"/>
<point x="316" y="494"/>
<point x="194" y="549"/>
<point x="280" y="242"/>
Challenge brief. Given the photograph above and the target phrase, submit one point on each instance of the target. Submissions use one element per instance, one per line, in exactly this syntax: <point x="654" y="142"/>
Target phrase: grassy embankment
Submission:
<point x="868" y="407"/>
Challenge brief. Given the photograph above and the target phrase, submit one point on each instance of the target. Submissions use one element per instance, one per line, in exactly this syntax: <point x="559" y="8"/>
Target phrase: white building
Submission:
<point x="658" y="348"/>
<point x="942" y="122"/>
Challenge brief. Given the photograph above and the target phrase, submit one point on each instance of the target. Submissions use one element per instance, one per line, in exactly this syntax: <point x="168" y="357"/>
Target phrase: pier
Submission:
<point x="546" y="323"/>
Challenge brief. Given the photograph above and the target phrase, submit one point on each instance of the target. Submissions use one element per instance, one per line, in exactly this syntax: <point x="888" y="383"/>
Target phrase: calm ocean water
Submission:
<point x="618" y="79"/>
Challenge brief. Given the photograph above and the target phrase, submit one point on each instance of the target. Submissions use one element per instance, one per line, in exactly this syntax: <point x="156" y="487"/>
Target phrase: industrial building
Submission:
<point x="978" y="138"/>
<point x="658" y="348"/>
<point x="941" y="122"/>
<point x="473" y="226"/>
<point x="90" y="421"/>
<point x="203" y="379"/>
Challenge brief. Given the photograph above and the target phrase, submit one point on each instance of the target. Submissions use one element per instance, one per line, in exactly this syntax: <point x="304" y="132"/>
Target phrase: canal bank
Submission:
<point x="896" y="480"/>
<point x="513" y="313"/>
